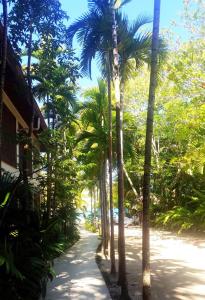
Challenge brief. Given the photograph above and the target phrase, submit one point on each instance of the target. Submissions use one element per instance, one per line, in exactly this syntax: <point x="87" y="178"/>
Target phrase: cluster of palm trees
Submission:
<point x="106" y="34"/>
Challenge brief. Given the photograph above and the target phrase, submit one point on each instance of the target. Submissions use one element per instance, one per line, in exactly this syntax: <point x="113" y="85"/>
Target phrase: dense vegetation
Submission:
<point x="178" y="141"/>
<point x="38" y="210"/>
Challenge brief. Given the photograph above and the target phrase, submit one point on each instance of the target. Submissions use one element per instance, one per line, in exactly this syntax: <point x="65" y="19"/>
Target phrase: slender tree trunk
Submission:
<point x="3" y="72"/>
<point x="122" y="280"/>
<point x="102" y="206"/>
<point x="53" y="167"/>
<point x="112" y="236"/>
<point x="29" y="80"/>
<point x="91" y="203"/>
<point x="147" y="163"/>
<point x="48" y="202"/>
<point x="99" y="213"/>
<point x="48" y="110"/>
<point x="130" y="182"/>
<point x="101" y="209"/>
<point x="94" y="205"/>
<point x="104" y="219"/>
<point x="55" y="191"/>
<point x="28" y="147"/>
<point x="105" y="206"/>
<point x="121" y="242"/>
<point x="155" y="147"/>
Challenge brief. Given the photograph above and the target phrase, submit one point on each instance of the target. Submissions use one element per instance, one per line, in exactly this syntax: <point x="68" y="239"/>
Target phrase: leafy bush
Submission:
<point x="178" y="218"/>
<point x="182" y="219"/>
<point x="28" y="243"/>
<point x="89" y="224"/>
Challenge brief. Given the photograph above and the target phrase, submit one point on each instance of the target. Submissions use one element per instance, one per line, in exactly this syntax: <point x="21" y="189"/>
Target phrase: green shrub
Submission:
<point x="28" y="245"/>
<point x="90" y="227"/>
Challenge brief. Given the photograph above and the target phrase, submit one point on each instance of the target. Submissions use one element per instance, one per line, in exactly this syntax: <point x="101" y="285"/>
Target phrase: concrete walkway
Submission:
<point x="77" y="275"/>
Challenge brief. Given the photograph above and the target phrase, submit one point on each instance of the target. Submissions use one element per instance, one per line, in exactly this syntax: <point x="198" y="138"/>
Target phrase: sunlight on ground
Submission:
<point x="177" y="249"/>
<point x="177" y="263"/>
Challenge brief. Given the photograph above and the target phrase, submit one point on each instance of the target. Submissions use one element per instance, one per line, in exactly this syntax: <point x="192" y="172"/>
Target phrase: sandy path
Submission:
<point x="177" y="264"/>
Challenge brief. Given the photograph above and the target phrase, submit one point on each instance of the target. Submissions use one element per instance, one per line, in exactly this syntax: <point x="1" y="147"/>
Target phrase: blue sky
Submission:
<point x="170" y="11"/>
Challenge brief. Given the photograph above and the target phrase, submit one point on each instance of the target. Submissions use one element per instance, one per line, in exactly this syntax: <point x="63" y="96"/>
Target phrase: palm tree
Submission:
<point x="94" y="32"/>
<point x="122" y="279"/>
<point x="57" y="94"/>
<point x="130" y="45"/>
<point x="110" y="151"/>
<point x="94" y="120"/>
<point x="3" y="71"/>
<point x="148" y="147"/>
<point x="133" y="45"/>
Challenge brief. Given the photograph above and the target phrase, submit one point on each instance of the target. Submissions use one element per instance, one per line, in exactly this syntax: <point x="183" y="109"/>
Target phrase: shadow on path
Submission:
<point x="177" y="265"/>
<point x="77" y="275"/>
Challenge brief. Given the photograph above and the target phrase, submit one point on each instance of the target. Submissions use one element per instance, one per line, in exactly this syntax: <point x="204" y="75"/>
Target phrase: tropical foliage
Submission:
<point x="178" y="142"/>
<point x="38" y="210"/>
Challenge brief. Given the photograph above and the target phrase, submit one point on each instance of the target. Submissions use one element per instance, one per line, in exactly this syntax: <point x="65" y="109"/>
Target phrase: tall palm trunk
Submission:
<point x="101" y="206"/>
<point x="112" y="236"/>
<point x="103" y="209"/>
<point x="99" y="200"/>
<point x="55" y="191"/>
<point x="94" y="205"/>
<point x="105" y="206"/>
<point x="49" y="170"/>
<point x="147" y="163"/>
<point x="122" y="280"/>
<point x="28" y="150"/>
<point x="27" y="153"/>
<point x="29" y="80"/>
<point x="49" y="183"/>
<point x="3" y="72"/>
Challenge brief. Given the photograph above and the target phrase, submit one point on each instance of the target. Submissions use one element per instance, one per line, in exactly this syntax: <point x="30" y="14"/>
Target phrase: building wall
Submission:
<point x="14" y="111"/>
<point x="20" y="123"/>
<point x="9" y="151"/>
<point x="9" y="168"/>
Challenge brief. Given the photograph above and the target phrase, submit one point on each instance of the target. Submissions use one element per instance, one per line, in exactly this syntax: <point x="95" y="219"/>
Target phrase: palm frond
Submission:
<point x="133" y="44"/>
<point x="124" y="2"/>
<point x="138" y="23"/>
<point x="80" y="25"/>
<point x="99" y="5"/>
